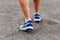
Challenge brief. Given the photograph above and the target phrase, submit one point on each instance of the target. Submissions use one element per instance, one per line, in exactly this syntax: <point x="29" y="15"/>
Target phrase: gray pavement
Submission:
<point x="11" y="17"/>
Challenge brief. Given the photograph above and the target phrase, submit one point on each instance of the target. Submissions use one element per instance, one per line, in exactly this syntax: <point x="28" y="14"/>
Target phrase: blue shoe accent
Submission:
<point x="37" y="17"/>
<point x="26" y="25"/>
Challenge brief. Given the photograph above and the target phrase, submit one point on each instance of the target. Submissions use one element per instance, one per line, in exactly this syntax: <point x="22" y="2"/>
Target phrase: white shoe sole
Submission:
<point x="37" y="19"/>
<point x="27" y="28"/>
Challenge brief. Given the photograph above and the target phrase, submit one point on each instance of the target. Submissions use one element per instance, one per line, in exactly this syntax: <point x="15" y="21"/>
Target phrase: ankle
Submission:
<point x="36" y="13"/>
<point x="27" y="20"/>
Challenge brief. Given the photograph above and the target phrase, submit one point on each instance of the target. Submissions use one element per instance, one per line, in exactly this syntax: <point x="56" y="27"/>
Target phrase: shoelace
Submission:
<point x="27" y="23"/>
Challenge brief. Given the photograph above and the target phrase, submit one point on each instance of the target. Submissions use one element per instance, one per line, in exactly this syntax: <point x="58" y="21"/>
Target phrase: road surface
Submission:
<point x="11" y="17"/>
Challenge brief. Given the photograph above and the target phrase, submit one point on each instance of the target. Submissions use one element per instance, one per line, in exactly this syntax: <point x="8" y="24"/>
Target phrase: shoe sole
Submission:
<point x="37" y="20"/>
<point x="27" y="28"/>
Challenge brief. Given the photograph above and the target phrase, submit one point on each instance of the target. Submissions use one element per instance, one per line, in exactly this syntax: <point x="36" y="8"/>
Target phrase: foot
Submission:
<point x="27" y="26"/>
<point x="37" y="17"/>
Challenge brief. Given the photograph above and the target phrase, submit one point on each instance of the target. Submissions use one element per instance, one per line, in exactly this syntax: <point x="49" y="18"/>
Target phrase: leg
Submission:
<point x="25" y="7"/>
<point x="37" y="16"/>
<point x="28" y="23"/>
<point x="36" y="5"/>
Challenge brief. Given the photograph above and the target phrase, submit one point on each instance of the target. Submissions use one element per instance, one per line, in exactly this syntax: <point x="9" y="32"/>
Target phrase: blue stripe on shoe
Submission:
<point x="27" y="24"/>
<point x="37" y="16"/>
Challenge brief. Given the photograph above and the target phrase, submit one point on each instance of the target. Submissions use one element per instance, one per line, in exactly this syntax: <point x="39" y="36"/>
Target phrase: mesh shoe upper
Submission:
<point x="37" y="16"/>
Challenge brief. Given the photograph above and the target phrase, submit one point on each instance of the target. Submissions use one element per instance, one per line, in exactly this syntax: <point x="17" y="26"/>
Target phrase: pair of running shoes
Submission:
<point x="29" y="25"/>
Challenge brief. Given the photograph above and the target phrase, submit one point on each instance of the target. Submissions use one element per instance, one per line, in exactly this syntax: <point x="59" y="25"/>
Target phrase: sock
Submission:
<point x="37" y="13"/>
<point x="27" y="20"/>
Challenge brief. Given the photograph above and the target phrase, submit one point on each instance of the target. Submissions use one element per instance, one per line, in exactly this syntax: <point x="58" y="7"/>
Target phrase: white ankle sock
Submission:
<point x="36" y="13"/>
<point x="27" y="20"/>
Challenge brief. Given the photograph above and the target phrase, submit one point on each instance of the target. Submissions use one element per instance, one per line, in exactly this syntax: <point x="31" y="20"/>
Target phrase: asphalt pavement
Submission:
<point x="11" y="17"/>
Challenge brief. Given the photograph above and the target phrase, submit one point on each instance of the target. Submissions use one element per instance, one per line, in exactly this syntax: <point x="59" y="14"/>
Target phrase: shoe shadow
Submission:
<point x="38" y="26"/>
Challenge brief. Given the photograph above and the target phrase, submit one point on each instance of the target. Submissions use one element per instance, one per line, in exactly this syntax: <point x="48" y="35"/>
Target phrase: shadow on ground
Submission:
<point x="11" y="18"/>
<point x="43" y="29"/>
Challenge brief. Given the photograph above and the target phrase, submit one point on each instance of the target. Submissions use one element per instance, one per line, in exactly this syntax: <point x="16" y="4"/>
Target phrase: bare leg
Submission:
<point x="36" y="5"/>
<point x="37" y="16"/>
<point x="25" y="7"/>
